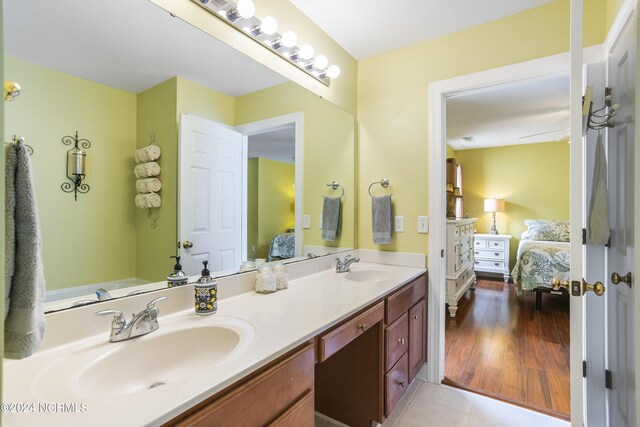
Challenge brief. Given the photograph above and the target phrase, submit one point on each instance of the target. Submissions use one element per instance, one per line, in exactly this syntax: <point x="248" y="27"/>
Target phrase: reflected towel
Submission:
<point x="381" y="219"/>
<point x="146" y="201"/>
<point x="598" y="230"/>
<point x="147" y="154"/>
<point x="25" y="325"/>
<point x="148" y="185"/>
<point x="146" y="170"/>
<point x="331" y="218"/>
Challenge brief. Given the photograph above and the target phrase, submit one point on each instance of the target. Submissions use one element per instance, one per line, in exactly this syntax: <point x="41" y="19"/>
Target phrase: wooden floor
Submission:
<point x="499" y="345"/>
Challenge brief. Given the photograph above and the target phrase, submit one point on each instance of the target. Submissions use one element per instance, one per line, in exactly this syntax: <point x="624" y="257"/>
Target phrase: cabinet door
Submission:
<point x="417" y="338"/>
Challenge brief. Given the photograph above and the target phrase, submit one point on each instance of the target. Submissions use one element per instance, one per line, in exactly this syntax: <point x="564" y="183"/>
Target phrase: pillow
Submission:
<point x="547" y="230"/>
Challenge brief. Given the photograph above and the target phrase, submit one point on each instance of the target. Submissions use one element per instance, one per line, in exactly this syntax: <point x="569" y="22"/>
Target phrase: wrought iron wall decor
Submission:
<point x="76" y="165"/>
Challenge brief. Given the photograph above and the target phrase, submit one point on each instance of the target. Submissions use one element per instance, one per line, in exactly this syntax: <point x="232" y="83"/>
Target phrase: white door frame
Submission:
<point x="262" y="126"/>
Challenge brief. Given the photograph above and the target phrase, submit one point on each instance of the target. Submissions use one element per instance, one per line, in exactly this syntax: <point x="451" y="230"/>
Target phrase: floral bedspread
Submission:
<point x="282" y="246"/>
<point x="539" y="262"/>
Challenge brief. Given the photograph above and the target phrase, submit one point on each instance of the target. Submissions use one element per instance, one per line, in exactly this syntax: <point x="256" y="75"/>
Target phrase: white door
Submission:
<point x="210" y="191"/>
<point x="620" y="307"/>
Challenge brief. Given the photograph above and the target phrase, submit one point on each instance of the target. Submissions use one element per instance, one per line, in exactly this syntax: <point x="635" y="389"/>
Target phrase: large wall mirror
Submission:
<point x="245" y="160"/>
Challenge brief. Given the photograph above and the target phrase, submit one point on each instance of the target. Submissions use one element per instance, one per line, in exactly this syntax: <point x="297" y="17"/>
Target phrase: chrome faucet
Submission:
<point x="142" y="323"/>
<point x="343" y="266"/>
<point x="104" y="295"/>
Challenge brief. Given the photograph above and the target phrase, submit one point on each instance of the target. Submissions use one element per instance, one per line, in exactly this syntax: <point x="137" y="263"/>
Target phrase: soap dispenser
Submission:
<point x="177" y="276"/>
<point x="206" y="293"/>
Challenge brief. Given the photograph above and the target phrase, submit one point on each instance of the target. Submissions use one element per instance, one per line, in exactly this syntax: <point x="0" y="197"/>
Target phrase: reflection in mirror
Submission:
<point x="119" y="72"/>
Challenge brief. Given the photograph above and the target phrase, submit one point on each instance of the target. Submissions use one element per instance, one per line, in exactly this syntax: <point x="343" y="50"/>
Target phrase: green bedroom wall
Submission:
<point x="532" y="178"/>
<point x="52" y="105"/>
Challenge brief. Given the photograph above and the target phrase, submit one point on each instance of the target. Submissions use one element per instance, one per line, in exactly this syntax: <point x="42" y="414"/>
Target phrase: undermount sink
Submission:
<point x="369" y="275"/>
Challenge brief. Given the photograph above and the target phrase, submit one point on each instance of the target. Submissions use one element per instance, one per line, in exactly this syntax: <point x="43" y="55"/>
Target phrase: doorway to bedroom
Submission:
<point x="507" y="231"/>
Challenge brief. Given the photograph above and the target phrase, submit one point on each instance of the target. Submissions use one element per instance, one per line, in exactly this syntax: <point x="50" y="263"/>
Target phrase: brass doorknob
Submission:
<point x="557" y="284"/>
<point x="187" y="244"/>
<point x="616" y="279"/>
<point x="597" y="287"/>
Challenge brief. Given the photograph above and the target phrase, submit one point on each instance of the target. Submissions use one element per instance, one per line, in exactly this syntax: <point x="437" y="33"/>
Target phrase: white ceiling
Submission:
<point x="505" y="116"/>
<point x="275" y="145"/>
<point x="370" y="27"/>
<point x="127" y="44"/>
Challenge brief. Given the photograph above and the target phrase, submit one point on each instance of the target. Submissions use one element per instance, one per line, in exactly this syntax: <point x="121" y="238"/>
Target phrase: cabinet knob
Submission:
<point x="496" y="253"/>
<point x="415" y="317"/>
<point x="401" y="341"/>
<point x="400" y="383"/>
<point x="362" y="327"/>
<point x="496" y="264"/>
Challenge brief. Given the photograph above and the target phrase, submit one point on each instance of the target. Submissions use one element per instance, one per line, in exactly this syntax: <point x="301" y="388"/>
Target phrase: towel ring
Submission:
<point x="335" y="185"/>
<point x="19" y="141"/>
<point x="384" y="182"/>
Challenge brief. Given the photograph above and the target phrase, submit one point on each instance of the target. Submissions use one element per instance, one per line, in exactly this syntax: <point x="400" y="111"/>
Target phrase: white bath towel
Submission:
<point x="147" y="154"/>
<point x="148" y="185"/>
<point x="146" y="170"/>
<point x="146" y="201"/>
<point x="598" y="230"/>
<point x="25" y="325"/>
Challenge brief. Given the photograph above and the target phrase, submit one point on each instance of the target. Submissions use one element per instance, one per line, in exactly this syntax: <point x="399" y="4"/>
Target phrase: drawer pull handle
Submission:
<point x="401" y="341"/>
<point x="477" y="262"/>
<point x="477" y="253"/>
<point x="400" y="383"/>
<point x="495" y="244"/>
<point x="362" y="327"/>
<point x="496" y="253"/>
<point x="415" y="317"/>
<point x="496" y="264"/>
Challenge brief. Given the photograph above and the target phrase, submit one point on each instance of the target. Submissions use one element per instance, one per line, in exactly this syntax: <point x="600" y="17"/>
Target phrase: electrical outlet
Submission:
<point x="423" y="224"/>
<point x="306" y="221"/>
<point x="398" y="224"/>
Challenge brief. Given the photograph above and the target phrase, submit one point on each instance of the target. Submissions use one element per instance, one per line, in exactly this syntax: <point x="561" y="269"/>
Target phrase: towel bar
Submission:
<point x="384" y="182"/>
<point x="335" y="185"/>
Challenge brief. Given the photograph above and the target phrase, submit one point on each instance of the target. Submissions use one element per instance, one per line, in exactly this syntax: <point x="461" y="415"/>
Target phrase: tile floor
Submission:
<point x="426" y="404"/>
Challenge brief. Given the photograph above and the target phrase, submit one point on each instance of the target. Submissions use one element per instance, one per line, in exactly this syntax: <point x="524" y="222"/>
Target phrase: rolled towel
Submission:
<point x="148" y="185"/>
<point x="147" y="201"/>
<point x="145" y="170"/>
<point x="382" y="219"/>
<point x="147" y="154"/>
<point x="331" y="218"/>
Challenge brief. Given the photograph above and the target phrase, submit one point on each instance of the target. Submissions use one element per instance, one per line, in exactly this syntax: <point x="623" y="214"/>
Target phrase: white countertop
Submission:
<point x="282" y="321"/>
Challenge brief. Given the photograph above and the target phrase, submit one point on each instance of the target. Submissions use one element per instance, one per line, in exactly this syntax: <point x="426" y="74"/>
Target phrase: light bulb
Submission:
<point x="269" y="25"/>
<point x="333" y="71"/>
<point x="289" y="39"/>
<point x="246" y="8"/>
<point x="306" y="51"/>
<point x="321" y="62"/>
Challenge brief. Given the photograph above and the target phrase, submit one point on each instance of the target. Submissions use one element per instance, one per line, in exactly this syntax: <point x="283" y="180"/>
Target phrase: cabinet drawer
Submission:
<point x="464" y="278"/>
<point x="334" y="340"/>
<point x="480" y="244"/>
<point x="261" y="399"/>
<point x="482" y="264"/>
<point x="400" y="302"/>
<point x="417" y="338"/>
<point x="301" y="414"/>
<point x="396" y="341"/>
<point x="496" y="244"/>
<point x="489" y="254"/>
<point x="396" y="383"/>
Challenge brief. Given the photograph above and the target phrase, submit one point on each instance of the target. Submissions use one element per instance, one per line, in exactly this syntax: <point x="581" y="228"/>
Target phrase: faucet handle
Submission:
<point x="346" y="258"/>
<point x="152" y="303"/>
<point x="118" y="318"/>
<point x="116" y="313"/>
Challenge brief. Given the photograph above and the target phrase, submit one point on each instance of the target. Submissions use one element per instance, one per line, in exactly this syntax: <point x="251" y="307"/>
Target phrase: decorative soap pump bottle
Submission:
<point x="206" y="293"/>
<point x="177" y="276"/>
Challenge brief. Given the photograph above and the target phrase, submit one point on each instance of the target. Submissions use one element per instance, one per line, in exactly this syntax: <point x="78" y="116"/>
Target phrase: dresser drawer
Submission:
<point x="495" y="244"/>
<point x="467" y="257"/>
<point x="396" y="383"/>
<point x="334" y="340"/>
<point x="480" y="244"/>
<point x="488" y="254"/>
<point x="400" y="302"/>
<point x="396" y="340"/>
<point x="481" y="264"/>
<point x="300" y="415"/>
<point x="464" y="278"/>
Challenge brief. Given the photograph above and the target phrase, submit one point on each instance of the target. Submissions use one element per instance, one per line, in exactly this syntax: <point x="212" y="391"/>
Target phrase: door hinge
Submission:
<point x="584" y="369"/>
<point x="441" y="253"/>
<point x="608" y="381"/>
<point x="584" y="236"/>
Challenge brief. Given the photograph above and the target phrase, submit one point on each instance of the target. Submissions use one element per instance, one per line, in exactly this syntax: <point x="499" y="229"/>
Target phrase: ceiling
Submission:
<point x="370" y="27"/>
<point x="126" y="44"/>
<point x="508" y="115"/>
<point x="275" y="145"/>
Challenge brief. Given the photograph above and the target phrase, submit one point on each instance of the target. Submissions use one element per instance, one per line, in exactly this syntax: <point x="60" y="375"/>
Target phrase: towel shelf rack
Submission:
<point x="600" y="119"/>
<point x="335" y="185"/>
<point x="384" y="182"/>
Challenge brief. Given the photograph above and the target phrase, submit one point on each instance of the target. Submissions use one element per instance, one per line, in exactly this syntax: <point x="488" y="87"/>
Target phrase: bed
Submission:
<point x="543" y="254"/>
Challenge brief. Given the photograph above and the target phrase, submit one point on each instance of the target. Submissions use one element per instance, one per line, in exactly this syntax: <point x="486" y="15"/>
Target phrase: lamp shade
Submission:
<point x="494" y="205"/>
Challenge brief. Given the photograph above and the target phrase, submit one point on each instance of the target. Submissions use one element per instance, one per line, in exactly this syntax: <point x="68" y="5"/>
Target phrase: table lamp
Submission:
<point x="494" y="205"/>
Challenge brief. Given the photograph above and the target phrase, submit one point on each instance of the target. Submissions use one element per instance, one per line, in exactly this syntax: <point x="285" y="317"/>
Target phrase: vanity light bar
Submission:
<point x="264" y="32"/>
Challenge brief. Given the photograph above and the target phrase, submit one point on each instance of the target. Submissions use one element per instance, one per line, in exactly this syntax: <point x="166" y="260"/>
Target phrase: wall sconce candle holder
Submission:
<point x="76" y="165"/>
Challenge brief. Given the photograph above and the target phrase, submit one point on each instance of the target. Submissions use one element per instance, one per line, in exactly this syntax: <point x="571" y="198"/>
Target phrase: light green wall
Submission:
<point x="193" y="98"/>
<point x="393" y="108"/>
<point x="532" y="178"/>
<point x="252" y="208"/>
<point x="328" y="150"/>
<point x="613" y="7"/>
<point x="95" y="236"/>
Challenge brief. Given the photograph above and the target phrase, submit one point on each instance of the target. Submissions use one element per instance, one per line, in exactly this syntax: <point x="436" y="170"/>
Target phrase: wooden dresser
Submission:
<point x="460" y="274"/>
<point x="491" y="253"/>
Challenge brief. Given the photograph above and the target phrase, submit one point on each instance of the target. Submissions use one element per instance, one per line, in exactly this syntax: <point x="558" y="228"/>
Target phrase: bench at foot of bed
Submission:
<point x="539" y="291"/>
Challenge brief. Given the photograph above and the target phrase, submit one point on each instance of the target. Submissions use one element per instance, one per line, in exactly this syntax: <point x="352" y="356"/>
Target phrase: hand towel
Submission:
<point x="146" y="201"/>
<point x="598" y="230"/>
<point x="331" y="218"/>
<point x="146" y="170"/>
<point x="25" y="325"/>
<point x="147" y="154"/>
<point x="148" y="185"/>
<point x="381" y="219"/>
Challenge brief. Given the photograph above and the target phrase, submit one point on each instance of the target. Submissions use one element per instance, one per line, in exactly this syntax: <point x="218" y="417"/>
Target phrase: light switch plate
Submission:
<point x="320" y="220"/>
<point x="423" y="224"/>
<point x="398" y="224"/>
<point x="306" y="221"/>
